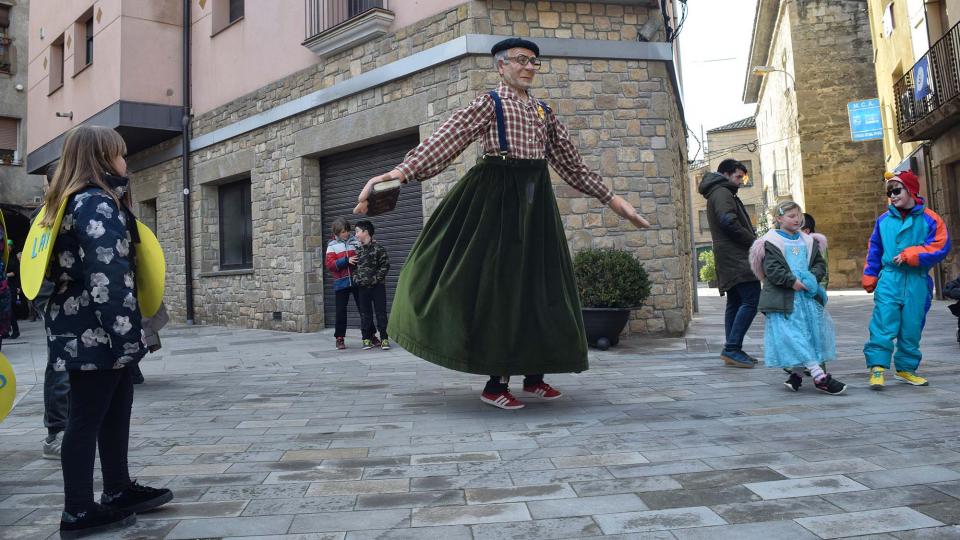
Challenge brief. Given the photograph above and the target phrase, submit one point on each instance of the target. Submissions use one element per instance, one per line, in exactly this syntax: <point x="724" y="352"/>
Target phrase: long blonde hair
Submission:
<point x="87" y="156"/>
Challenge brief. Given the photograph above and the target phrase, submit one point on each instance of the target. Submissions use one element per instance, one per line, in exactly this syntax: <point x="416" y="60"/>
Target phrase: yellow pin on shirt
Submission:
<point x="541" y="112"/>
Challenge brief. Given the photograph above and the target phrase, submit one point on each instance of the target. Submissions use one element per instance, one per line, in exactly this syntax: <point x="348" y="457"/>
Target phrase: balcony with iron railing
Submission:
<point x="781" y="183"/>
<point x="332" y="26"/>
<point x="928" y="96"/>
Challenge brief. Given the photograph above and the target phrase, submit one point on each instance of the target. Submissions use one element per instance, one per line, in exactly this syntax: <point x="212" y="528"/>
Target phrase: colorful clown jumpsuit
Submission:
<point x="902" y="293"/>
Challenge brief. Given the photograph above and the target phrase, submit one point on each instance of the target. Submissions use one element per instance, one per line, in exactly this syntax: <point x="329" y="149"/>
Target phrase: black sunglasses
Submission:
<point x="894" y="191"/>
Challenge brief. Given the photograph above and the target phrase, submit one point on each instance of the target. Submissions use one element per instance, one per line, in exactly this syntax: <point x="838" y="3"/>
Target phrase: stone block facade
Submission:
<point x="945" y="194"/>
<point x="804" y="131"/>
<point x="622" y="113"/>
<point x="842" y="179"/>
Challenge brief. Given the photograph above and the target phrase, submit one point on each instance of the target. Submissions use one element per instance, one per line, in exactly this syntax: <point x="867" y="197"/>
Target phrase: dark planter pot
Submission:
<point x="604" y="325"/>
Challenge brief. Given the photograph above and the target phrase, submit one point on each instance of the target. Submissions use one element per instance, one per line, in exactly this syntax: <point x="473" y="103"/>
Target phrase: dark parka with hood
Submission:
<point x="731" y="230"/>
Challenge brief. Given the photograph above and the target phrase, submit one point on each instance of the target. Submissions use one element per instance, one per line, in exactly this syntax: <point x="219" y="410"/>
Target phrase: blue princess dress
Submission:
<point x="805" y="337"/>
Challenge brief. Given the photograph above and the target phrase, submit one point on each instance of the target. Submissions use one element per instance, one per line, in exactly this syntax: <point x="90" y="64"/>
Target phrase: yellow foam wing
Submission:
<point x="151" y="271"/>
<point x="37" y="250"/>
<point x="8" y="387"/>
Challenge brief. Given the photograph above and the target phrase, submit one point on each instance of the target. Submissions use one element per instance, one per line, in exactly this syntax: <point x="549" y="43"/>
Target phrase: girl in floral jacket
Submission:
<point x="94" y="329"/>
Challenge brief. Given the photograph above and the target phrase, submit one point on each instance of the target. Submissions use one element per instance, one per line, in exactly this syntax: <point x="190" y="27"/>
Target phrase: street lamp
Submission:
<point x="760" y="71"/>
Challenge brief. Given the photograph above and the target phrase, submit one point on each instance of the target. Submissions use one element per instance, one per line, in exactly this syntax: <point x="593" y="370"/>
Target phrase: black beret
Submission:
<point x="513" y="43"/>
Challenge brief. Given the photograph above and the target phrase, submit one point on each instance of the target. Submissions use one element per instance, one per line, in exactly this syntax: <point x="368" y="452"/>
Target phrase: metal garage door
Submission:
<point x="342" y="176"/>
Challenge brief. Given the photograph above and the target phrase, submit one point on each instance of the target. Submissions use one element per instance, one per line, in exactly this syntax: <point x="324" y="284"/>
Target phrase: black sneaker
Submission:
<point x="830" y="385"/>
<point x="137" y="498"/>
<point x="794" y="382"/>
<point x="97" y="519"/>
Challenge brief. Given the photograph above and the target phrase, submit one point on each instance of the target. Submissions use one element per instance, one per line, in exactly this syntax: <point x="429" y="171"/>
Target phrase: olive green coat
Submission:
<point x="770" y="265"/>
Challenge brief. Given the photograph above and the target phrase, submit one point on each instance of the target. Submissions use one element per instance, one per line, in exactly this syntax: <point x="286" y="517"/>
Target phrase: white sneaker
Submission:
<point x="51" y="448"/>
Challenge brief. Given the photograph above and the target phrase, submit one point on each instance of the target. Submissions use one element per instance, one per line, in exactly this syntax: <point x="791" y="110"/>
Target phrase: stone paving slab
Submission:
<point x="867" y="522"/>
<point x="270" y="435"/>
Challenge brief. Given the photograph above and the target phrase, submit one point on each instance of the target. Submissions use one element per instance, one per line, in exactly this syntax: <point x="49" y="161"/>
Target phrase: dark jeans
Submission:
<point x="373" y="300"/>
<point x="100" y="403"/>
<point x="343" y="297"/>
<point x="741" y="309"/>
<point x="56" y="399"/>
<point x="498" y="384"/>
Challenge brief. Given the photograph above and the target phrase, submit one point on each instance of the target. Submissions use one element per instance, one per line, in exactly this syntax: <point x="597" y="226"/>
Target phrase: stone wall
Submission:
<point x="622" y="114"/>
<point x="843" y="185"/>
<point x="945" y="193"/>
<point x="536" y="19"/>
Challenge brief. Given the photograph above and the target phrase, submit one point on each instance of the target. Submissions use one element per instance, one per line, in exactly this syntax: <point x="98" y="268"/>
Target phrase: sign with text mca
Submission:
<point x="866" y="124"/>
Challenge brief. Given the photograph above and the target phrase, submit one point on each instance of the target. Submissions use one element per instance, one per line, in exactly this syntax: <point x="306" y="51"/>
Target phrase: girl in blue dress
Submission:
<point x="799" y="333"/>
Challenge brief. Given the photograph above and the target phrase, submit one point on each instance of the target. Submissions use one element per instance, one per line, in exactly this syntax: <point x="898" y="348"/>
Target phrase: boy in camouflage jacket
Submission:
<point x="370" y="278"/>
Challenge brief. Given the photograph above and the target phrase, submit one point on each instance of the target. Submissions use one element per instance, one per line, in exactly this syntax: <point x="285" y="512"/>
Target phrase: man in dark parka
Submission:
<point x="732" y="234"/>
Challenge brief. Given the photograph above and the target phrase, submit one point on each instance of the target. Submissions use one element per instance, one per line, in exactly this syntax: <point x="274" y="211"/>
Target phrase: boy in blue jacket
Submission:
<point x="907" y="241"/>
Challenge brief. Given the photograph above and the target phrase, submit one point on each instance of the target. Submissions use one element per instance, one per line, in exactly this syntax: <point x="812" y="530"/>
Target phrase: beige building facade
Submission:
<point x="19" y="192"/>
<point x="925" y="108"/>
<point x="286" y="126"/>
<point x="818" y="58"/>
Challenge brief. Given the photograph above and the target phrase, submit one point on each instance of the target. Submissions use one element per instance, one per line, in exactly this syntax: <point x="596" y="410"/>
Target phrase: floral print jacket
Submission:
<point x="92" y="318"/>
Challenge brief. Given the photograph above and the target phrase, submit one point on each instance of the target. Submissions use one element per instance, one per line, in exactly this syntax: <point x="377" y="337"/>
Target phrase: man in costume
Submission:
<point x="488" y="287"/>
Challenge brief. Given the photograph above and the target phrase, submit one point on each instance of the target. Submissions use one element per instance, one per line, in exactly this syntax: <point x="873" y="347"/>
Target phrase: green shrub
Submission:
<point x="708" y="266"/>
<point x="610" y="278"/>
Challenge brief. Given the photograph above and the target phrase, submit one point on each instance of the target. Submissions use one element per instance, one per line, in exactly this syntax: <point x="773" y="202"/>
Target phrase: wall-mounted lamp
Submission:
<point x="64" y="115"/>
<point x="760" y="71"/>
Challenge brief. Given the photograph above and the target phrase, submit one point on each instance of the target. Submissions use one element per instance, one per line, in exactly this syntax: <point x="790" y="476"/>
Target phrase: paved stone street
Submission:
<point x="273" y="434"/>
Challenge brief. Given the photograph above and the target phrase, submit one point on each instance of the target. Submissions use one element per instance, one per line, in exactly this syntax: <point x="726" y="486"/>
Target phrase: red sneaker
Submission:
<point x="503" y="400"/>
<point x="543" y="390"/>
<point x="340" y="343"/>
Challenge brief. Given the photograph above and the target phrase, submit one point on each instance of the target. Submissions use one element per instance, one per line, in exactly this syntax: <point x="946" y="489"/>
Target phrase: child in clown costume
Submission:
<point x="907" y="241"/>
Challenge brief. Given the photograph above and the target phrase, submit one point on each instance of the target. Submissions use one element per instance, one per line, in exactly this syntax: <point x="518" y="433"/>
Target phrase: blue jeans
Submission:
<point x="741" y="309"/>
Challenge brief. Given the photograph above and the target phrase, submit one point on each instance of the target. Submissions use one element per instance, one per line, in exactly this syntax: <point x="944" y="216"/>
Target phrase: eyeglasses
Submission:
<point x="894" y="191"/>
<point x="523" y="60"/>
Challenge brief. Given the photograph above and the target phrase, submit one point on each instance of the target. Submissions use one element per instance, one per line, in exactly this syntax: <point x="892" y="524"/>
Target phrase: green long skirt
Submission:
<point x="488" y="287"/>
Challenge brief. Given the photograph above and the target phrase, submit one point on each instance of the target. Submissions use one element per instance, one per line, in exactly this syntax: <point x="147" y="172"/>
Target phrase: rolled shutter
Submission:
<point x="342" y="176"/>
<point x="8" y="133"/>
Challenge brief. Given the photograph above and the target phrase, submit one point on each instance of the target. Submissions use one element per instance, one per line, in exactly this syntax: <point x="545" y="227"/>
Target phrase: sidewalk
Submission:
<point x="264" y="433"/>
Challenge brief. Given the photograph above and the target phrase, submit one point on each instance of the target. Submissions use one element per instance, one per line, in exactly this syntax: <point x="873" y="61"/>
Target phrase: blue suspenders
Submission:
<point x="501" y="130"/>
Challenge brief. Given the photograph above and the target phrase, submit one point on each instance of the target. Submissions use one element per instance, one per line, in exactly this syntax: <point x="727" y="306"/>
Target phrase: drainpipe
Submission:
<point x="185" y="164"/>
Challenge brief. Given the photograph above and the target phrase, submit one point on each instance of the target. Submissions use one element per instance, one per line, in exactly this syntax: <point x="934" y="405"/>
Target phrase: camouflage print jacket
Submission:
<point x="373" y="265"/>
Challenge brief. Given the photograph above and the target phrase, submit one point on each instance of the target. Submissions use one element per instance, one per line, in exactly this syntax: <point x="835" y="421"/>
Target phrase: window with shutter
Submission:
<point x="8" y="133"/>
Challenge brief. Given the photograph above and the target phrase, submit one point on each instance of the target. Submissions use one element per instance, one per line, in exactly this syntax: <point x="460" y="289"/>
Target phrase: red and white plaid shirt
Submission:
<point x="533" y="132"/>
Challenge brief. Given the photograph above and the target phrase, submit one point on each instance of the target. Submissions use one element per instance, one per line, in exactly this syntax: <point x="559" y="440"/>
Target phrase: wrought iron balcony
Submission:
<point x="781" y="183"/>
<point x="928" y="96"/>
<point x="332" y="26"/>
